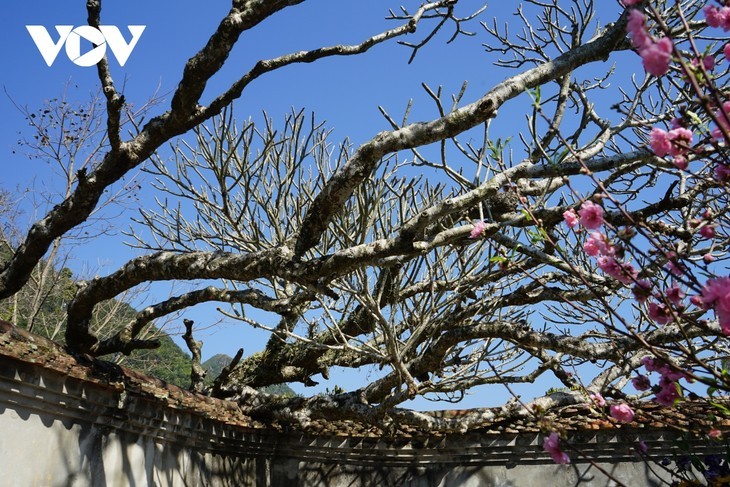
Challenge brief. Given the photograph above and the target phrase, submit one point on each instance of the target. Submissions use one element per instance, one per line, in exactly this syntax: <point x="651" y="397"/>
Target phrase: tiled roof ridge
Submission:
<point x="689" y="416"/>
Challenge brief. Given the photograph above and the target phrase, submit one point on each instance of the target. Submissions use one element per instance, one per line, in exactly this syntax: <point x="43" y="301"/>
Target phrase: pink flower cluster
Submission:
<point x="716" y="295"/>
<point x="723" y="118"/>
<point x="722" y="173"/>
<point x="669" y="388"/>
<point x="707" y="229"/>
<point x="708" y="62"/>
<point x="705" y="226"/>
<point x="478" y="229"/>
<point x="622" y="412"/>
<point x="668" y="304"/>
<point x="591" y="216"/>
<point x="621" y="271"/>
<point x="675" y="143"/>
<point x="717" y="17"/>
<point x="655" y="55"/>
<point x="660" y="313"/>
<point x="552" y="446"/>
<point x="597" y="245"/>
<point x="641" y="383"/>
<point x="598" y="399"/>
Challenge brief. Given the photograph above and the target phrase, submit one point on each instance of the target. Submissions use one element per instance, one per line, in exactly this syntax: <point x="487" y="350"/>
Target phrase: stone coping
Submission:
<point x="37" y="375"/>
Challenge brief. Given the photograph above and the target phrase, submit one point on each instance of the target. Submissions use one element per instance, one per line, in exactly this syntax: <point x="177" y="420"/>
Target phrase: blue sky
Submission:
<point x="343" y="91"/>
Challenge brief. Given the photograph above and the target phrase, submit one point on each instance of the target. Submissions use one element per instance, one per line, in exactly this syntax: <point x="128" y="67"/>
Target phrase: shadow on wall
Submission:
<point x="546" y="475"/>
<point x="338" y="475"/>
<point x="50" y="451"/>
<point x="84" y="455"/>
<point x="59" y="430"/>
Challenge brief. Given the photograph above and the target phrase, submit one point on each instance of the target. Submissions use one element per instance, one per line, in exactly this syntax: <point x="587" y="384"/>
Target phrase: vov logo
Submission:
<point x="71" y="38"/>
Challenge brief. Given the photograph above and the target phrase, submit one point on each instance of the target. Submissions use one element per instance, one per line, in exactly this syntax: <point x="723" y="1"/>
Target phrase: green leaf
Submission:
<point x="721" y="407"/>
<point x="535" y="95"/>
<point x="694" y="117"/>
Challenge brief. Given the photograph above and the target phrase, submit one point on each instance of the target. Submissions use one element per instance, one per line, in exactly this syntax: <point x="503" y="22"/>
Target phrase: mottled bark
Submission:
<point x="342" y="185"/>
<point x="197" y="373"/>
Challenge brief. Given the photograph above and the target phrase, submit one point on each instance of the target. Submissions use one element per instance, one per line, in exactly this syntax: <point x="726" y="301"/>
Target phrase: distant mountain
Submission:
<point x="169" y="362"/>
<point x="45" y="298"/>
<point x="215" y="364"/>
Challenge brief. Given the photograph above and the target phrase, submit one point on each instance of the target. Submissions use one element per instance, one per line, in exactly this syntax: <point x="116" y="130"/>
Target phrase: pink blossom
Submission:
<point x="717" y="17"/>
<point x="636" y="27"/>
<point x="660" y="313"/>
<point x="598" y="399"/>
<point x="726" y="51"/>
<point x="667" y="396"/>
<point x="642" y="290"/>
<point x="707" y="231"/>
<point x="668" y="374"/>
<point x="722" y="173"/>
<point x="659" y="142"/>
<point x="656" y="56"/>
<point x="675" y="295"/>
<point x="596" y="244"/>
<point x="669" y="393"/>
<point x="723" y="118"/>
<point x="650" y="363"/>
<point x="716" y="295"/>
<point x="641" y="383"/>
<point x="716" y="291"/>
<point x="591" y="247"/>
<point x="675" y="143"/>
<point x="670" y="390"/>
<point x="629" y="3"/>
<point x="604" y="246"/>
<point x="571" y="219"/>
<point x="714" y="434"/>
<point x="681" y="141"/>
<point x="622" y="272"/>
<point x="551" y="445"/>
<point x="609" y="265"/>
<point x="629" y="273"/>
<point x="708" y="62"/>
<point x="591" y="215"/>
<point x="622" y="412"/>
<point x="708" y="258"/>
<point x="680" y="162"/>
<point x="478" y="229"/>
<point x="674" y="266"/>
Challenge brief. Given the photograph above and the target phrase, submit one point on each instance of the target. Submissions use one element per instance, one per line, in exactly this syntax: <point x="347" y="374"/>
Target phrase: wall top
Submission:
<point x="693" y="417"/>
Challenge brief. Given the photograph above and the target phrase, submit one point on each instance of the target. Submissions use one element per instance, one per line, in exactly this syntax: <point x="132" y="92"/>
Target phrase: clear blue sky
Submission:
<point x="343" y="91"/>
